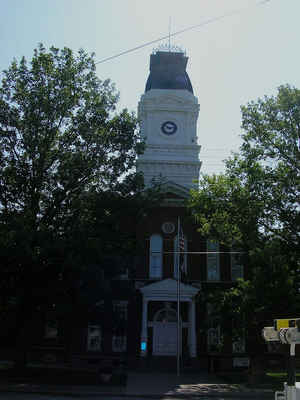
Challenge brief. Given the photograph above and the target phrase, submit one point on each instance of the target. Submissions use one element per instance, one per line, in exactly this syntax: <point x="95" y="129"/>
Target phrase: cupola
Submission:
<point x="168" y="71"/>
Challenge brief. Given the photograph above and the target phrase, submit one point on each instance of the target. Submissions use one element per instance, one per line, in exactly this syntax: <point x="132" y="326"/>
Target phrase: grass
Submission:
<point x="278" y="378"/>
<point x="281" y="375"/>
<point x="272" y="380"/>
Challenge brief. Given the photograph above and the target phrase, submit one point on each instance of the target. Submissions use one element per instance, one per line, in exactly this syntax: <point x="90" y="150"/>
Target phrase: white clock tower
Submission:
<point x="168" y="113"/>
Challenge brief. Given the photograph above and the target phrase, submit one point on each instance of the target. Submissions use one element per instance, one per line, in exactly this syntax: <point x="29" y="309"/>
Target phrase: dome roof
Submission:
<point x="168" y="71"/>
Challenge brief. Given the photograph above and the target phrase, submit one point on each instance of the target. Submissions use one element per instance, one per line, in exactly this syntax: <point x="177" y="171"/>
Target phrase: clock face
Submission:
<point x="169" y="128"/>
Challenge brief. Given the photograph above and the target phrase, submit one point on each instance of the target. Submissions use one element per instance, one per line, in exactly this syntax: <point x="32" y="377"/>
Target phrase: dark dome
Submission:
<point x="168" y="71"/>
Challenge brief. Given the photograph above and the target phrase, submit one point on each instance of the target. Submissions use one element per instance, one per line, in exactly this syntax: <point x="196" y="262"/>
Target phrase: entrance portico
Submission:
<point x="164" y="322"/>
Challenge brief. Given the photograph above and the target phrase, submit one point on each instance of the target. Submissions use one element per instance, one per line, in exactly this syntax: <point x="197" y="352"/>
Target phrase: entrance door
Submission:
<point x="165" y="338"/>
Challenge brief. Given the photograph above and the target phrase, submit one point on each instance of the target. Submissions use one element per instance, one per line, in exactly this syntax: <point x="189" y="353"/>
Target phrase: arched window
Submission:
<point x="167" y="314"/>
<point x="182" y="257"/>
<point x="156" y="248"/>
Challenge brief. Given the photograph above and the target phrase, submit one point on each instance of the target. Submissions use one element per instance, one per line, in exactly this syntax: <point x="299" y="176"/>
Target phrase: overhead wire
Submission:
<point x="213" y="160"/>
<point x="208" y="21"/>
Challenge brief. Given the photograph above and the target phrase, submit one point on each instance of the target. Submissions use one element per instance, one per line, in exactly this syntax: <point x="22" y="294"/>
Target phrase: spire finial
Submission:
<point x="167" y="47"/>
<point x="169" y="33"/>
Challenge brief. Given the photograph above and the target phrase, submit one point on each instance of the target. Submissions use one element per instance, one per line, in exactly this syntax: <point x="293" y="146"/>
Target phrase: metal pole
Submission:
<point x="291" y="376"/>
<point x="178" y="299"/>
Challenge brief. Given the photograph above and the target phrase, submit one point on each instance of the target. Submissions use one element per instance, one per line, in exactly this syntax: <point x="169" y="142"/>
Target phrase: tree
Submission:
<point x="262" y="180"/>
<point x="62" y="144"/>
<point x="254" y="207"/>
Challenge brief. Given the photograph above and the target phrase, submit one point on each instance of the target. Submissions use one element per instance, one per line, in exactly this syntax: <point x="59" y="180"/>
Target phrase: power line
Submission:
<point x="217" y="149"/>
<point x="209" y="21"/>
<point x="201" y="252"/>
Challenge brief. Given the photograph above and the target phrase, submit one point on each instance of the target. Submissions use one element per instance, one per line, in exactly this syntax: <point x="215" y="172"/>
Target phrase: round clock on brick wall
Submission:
<point x="168" y="227"/>
<point x="168" y="128"/>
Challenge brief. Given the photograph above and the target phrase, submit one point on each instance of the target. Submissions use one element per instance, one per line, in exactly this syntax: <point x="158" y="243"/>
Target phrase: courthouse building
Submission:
<point x="168" y="112"/>
<point x="145" y="297"/>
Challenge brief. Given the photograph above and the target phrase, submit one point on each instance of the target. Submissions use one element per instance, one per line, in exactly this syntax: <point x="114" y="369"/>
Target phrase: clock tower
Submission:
<point x="168" y="113"/>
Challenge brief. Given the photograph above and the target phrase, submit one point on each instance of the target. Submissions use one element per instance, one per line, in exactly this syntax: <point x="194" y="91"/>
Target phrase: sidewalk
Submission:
<point x="187" y="385"/>
<point x="148" y="384"/>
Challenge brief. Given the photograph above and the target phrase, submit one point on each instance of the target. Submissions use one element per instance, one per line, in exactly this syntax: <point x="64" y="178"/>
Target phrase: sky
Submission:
<point x="233" y="60"/>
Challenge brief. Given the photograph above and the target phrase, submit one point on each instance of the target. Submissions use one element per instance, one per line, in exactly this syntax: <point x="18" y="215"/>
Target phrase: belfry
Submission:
<point x="168" y="113"/>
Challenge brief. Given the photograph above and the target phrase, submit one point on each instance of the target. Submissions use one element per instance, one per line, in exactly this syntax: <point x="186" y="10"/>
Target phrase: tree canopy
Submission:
<point x="60" y="138"/>
<point x="254" y="206"/>
<point x="67" y="161"/>
<point x="258" y="195"/>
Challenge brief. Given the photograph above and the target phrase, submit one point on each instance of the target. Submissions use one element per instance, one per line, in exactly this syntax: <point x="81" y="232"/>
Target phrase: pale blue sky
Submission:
<point x="231" y="61"/>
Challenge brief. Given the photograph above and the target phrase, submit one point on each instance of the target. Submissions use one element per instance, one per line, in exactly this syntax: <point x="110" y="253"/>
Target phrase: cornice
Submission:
<point x="180" y="164"/>
<point x="171" y="147"/>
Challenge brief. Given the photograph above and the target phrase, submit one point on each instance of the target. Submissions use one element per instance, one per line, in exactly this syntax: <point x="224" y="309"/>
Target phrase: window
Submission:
<point x="237" y="269"/>
<point x="120" y="308"/>
<point x="182" y="257"/>
<point x="156" y="247"/>
<point x="214" y="337"/>
<point x="94" y="338"/>
<point x="167" y="314"/>
<point x="238" y="336"/>
<point x="119" y="344"/>
<point x="51" y="329"/>
<point x="119" y="338"/>
<point x="213" y="261"/>
<point x="239" y="345"/>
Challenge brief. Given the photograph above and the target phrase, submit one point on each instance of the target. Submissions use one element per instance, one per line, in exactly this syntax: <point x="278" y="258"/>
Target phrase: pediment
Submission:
<point x="167" y="290"/>
<point x="173" y="190"/>
<point x="178" y="190"/>
<point x="169" y="96"/>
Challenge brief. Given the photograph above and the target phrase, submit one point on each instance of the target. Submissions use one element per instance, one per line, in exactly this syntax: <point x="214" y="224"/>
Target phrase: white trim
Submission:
<point x="183" y="324"/>
<point x="166" y="290"/>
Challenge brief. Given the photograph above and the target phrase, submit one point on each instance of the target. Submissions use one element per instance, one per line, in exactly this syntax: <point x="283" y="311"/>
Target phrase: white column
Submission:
<point x="144" y="335"/>
<point x="192" y="329"/>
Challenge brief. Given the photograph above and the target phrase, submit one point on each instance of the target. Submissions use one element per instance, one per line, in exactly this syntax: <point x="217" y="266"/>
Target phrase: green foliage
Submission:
<point x="217" y="209"/>
<point x="270" y="161"/>
<point x="67" y="175"/>
<point x="60" y="134"/>
<point x="60" y="138"/>
<point x="258" y="196"/>
<point x="254" y="206"/>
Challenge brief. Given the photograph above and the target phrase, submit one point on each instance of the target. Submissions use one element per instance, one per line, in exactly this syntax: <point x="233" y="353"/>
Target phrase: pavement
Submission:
<point x="150" y="384"/>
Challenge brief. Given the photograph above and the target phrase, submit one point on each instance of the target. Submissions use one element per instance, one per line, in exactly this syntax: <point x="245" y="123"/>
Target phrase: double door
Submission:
<point x="165" y="338"/>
